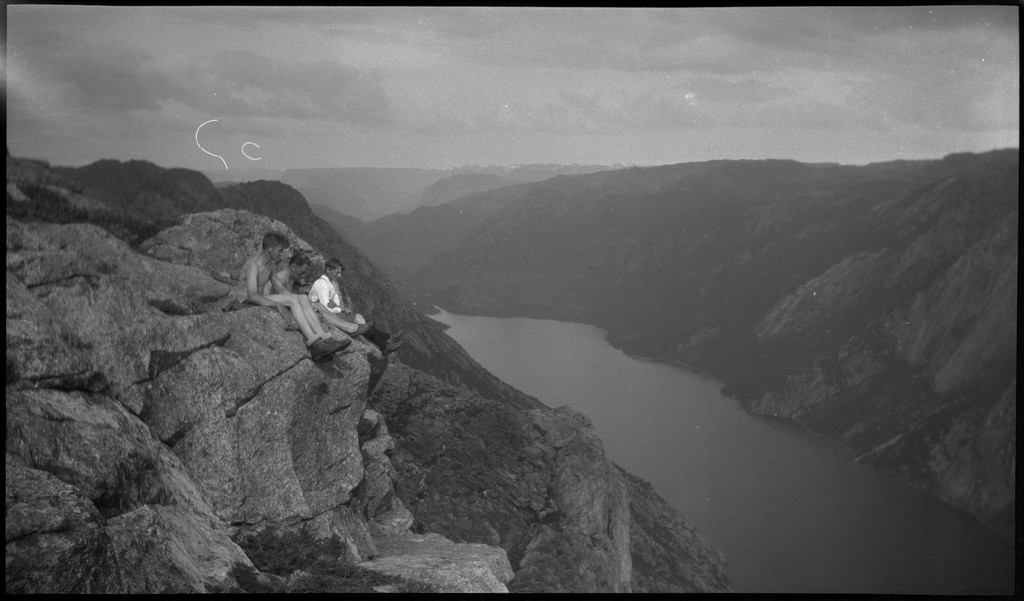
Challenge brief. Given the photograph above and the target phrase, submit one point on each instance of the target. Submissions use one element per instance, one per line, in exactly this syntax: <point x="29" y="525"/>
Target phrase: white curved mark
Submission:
<point x="247" y="156"/>
<point x="205" y="150"/>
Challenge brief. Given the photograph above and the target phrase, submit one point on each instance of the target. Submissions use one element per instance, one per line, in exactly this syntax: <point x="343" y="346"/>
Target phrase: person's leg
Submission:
<point x="342" y="324"/>
<point x="310" y="315"/>
<point x="378" y="337"/>
<point x="295" y="305"/>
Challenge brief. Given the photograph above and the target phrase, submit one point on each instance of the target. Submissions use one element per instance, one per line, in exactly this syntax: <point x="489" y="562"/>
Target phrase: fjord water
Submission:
<point x="791" y="511"/>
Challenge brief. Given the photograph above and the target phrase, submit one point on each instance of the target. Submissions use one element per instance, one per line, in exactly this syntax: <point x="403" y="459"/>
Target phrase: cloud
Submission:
<point x="99" y="76"/>
<point x="317" y="90"/>
<point x="604" y="111"/>
<point x="505" y="73"/>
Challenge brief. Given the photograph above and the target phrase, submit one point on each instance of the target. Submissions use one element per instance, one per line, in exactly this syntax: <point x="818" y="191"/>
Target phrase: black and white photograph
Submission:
<point x="512" y="299"/>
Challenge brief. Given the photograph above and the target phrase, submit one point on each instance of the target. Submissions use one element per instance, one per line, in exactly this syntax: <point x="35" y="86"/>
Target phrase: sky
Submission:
<point x="441" y="87"/>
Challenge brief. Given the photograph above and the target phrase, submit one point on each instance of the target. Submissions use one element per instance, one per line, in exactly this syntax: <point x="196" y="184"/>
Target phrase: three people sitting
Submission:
<point x="265" y="282"/>
<point x="253" y="288"/>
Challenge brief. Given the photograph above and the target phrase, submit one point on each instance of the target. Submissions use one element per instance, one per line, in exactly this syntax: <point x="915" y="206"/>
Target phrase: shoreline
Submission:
<point x="743" y="406"/>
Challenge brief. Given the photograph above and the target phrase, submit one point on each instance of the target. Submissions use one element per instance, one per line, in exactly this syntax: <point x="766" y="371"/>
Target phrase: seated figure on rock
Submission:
<point x="331" y="301"/>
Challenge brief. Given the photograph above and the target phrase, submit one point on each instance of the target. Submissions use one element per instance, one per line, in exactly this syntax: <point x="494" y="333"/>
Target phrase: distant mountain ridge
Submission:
<point x="875" y="304"/>
<point x="369" y="193"/>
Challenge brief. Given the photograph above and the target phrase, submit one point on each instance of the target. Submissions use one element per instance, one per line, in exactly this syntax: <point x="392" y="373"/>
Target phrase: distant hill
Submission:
<point x="144" y="190"/>
<point x="364" y="193"/>
<point x="875" y="304"/>
<point x="460" y="185"/>
<point x="371" y="193"/>
<point x="242" y="174"/>
<point x="350" y="227"/>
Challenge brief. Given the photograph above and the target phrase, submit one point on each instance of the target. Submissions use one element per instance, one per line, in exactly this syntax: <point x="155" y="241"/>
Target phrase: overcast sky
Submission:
<point x="445" y="87"/>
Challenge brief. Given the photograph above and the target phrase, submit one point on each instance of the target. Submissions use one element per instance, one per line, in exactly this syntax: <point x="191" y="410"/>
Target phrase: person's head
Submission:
<point x="298" y="264"/>
<point x="275" y="243"/>
<point x="333" y="268"/>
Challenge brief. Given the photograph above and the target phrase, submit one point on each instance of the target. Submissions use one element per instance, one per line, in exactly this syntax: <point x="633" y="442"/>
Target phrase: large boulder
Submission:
<point x="447" y="566"/>
<point x="94" y="503"/>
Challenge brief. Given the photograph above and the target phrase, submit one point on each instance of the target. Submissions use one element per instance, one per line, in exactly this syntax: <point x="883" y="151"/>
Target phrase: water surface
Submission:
<point x="790" y="510"/>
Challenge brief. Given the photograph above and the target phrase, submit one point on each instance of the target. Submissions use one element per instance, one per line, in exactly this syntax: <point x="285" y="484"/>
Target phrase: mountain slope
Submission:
<point x="144" y="190"/>
<point x="874" y="304"/>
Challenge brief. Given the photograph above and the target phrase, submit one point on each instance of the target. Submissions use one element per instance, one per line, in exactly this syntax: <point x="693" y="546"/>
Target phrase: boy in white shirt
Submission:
<point x="336" y="306"/>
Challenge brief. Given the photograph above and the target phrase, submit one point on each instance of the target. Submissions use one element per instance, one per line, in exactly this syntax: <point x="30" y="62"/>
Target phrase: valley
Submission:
<point x="874" y="304"/>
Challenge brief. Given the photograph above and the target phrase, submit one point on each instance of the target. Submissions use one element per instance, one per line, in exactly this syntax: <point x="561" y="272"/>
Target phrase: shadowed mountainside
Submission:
<point x="874" y="304"/>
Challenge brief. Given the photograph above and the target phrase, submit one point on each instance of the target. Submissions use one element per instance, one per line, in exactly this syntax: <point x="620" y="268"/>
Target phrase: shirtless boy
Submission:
<point x="252" y="288"/>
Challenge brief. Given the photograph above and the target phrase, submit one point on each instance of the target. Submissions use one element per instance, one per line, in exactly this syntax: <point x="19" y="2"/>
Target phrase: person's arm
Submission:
<point x="278" y="284"/>
<point x="253" y="295"/>
<point x="281" y="282"/>
<point x="347" y="306"/>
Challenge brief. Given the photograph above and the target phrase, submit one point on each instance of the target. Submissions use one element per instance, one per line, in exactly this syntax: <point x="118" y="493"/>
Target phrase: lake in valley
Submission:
<point x="790" y="510"/>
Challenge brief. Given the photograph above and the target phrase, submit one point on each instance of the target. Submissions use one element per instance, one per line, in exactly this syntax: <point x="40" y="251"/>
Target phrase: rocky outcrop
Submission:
<point x="449" y="567"/>
<point x="146" y="428"/>
<point x="538" y="485"/>
<point x="95" y="504"/>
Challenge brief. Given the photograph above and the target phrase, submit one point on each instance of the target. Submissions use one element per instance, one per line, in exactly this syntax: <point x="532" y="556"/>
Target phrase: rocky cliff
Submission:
<point x="537" y="484"/>
<point x="151" y="437"/>
<point x="147" y="430"/>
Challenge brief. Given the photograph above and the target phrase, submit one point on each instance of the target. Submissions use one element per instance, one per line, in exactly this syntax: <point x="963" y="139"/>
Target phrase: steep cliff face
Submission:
<point x="669" y="555"/>
<point x="538" y="485"/>
<point x="146" y="429"/>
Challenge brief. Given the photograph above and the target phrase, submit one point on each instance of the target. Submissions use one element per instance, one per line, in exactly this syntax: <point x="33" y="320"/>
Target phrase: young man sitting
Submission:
<point x="252" y="289"/>
<point x="336" y="306"/>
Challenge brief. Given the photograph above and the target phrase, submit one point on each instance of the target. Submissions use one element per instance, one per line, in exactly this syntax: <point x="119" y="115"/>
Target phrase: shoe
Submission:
<point x="364" y="328"/>
<point x="392" y="347"/>
<point x="321" y="349"/>
<point x="341" y="344"/>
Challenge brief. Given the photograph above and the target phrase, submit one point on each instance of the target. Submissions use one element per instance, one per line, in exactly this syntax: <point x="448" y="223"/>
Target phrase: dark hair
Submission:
<point x="275" y="239"/>
<point x="299" y="258"/>
<point x="333" y="263"/>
